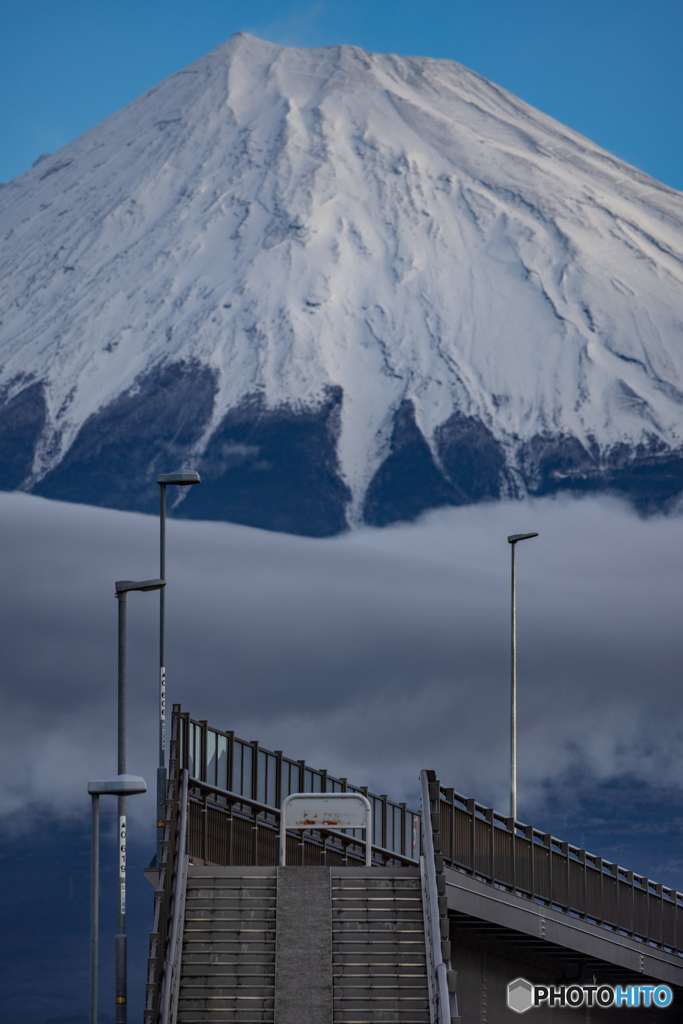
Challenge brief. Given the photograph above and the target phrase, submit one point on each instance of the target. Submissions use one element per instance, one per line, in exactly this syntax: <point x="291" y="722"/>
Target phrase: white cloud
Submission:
<point x="373" y="655"/>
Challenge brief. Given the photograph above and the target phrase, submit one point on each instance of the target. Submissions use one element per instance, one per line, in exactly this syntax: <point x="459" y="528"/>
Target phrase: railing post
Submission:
<point x="230" y="754"/>
<point x="601" y="916"/>
<point x="204" y="742"/>
<point x="564" y="847"/>
<point x="659" y="889"/>
<point x="510" y="826"/>
<point x="449" y="793"/>
<point x="584" y="888"/>
<point x="254" y="744"/>
<point x="185" y="726"/>
<point x="404" y="809"/>
<point x="529" y="833"/>
<point x="488" y="814"/>
<point x="205" y="828"/>
<point x="645" y="882"/>
<point x="548" y="843"/>
<point x="630" y="878"/>
<point x="278" y="777"/>
<point x="471" y="810"/>
<point x="614" y="871"/>
<point x="254" y="837"/>
<point x="229" y="833"/>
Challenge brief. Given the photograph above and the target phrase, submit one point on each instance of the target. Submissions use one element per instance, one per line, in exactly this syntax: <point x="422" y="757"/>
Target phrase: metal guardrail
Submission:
<point x="172" y="851"/>
<point x="220" y="759"/>
<point x="170" y="982"/>
<point x="443" y="1000"/>
<point x="235" y="789"/>
<point x="228" y="828"/>
<point x="208" y="824"/>
<point x="524" y="860"/>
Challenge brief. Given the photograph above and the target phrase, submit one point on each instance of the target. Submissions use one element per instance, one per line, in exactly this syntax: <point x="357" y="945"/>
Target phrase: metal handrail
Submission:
<point x="171" y="976"/>
<point x="271" y="772"/>
<point x="605" y="892"/>
<point x="504" y="823"/>
<point x="442" y="1008"/>
<point x="573" y="880"/>
<point x="258" y="805"/>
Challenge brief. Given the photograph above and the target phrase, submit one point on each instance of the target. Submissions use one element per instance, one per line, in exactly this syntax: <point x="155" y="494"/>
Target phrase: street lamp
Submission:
<point x="513" y="539"/>
<point x="178" y="480"/>
<point x="122" y="588"/>
<point x="118" y="785"/>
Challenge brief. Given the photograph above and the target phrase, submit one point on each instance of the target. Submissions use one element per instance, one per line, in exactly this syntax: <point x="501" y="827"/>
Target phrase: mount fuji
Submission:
<point x="346" y="288"/>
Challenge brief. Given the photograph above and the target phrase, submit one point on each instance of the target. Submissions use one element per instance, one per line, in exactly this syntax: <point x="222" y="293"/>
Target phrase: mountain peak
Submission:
<point x="382" y="277"/>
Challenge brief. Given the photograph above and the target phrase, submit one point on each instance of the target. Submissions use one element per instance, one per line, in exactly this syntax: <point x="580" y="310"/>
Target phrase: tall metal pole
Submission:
<point x="121" y="950"/>
<point x="184" y="479"/>
<point x="118" y="785"/>
<point x="161" y="770"/>
<point x="94" y="904"/>
<point x="513" y="691"/>
<point x="512" y="541"/>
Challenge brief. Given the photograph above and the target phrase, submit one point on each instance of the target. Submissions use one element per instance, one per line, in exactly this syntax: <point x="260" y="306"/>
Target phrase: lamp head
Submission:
<point x="123" y="586"/>
<point x="179" y="479"/>
<point x="514" y="537"/>
<point x="118" y="785"/>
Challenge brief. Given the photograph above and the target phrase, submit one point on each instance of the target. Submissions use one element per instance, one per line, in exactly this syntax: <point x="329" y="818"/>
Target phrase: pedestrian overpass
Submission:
<point x="459" y="901"/>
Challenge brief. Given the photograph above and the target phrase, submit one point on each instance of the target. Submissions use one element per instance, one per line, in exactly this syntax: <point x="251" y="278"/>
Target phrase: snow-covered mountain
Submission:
<point x="345" y="287"/>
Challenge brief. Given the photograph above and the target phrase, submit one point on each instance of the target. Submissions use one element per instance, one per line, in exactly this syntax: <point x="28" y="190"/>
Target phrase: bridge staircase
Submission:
<point x="349" y="946"/>
<point x="228" y="948"/>
<point x="307" y="932"/>
<point x="379" y="966"/>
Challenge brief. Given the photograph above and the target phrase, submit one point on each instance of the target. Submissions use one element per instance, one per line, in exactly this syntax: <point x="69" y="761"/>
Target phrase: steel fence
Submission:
<point x="524" y="860"/>
<point x="476" y="839"/>
<point x="225" y="830"/>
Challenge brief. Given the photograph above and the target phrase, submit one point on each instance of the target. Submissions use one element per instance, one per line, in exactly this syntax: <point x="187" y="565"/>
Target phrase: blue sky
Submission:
<point x="610" y="69"/>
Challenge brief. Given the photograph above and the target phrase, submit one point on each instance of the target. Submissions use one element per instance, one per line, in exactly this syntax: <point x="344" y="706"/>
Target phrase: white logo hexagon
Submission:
<point x="520" y="995"/>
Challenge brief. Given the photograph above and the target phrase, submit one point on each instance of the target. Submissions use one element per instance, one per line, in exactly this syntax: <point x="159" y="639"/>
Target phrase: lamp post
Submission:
<point x="118" y="785"/>
<point x="513" y="539"/>
<point x="122" y="588"/>
<point x="177" y="480"/>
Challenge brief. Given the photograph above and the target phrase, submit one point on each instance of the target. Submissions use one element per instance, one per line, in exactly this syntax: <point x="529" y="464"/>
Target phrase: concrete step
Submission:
<point x="239" y="1013"/>
<point x="218" y="994"/>
<point x="224" y="1002"/>
<point x="206" y="909"/>
<point x="364" y="974"/>
<point x="378" y="950"/>
<point x="203" y="952"/>
<point x="198" y="933"/>
<point x="224" y="981"/>
<point x="235" y="968"/>
<point x="369" y="1015"/>
<point x="378" y="882"/>
<point x="225" y="882"/>
<point x="228" y="967"/>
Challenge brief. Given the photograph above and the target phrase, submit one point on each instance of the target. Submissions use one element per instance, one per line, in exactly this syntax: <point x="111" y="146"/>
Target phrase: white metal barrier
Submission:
<point x="326" y="810"/>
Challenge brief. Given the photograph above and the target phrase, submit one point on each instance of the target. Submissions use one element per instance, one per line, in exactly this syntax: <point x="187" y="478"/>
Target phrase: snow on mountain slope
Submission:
<point x="361" y="284"/>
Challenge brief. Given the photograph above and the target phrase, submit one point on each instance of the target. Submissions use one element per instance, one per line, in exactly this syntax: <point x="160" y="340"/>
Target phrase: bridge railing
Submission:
<point x="234" y="796"/>
<point x="237" y="788"/>
<point x="225" y="827"/>
<point x="522" y="859"/>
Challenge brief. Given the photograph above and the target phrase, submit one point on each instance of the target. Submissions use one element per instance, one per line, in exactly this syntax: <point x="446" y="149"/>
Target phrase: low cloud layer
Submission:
<point x="373" y="655"/>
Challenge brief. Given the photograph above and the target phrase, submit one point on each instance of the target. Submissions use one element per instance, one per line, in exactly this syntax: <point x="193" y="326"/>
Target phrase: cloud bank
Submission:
<point x="373" y="655"/>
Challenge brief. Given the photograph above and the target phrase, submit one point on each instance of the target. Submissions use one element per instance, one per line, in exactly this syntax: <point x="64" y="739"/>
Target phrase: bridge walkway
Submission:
<point x="303" y="945"/>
